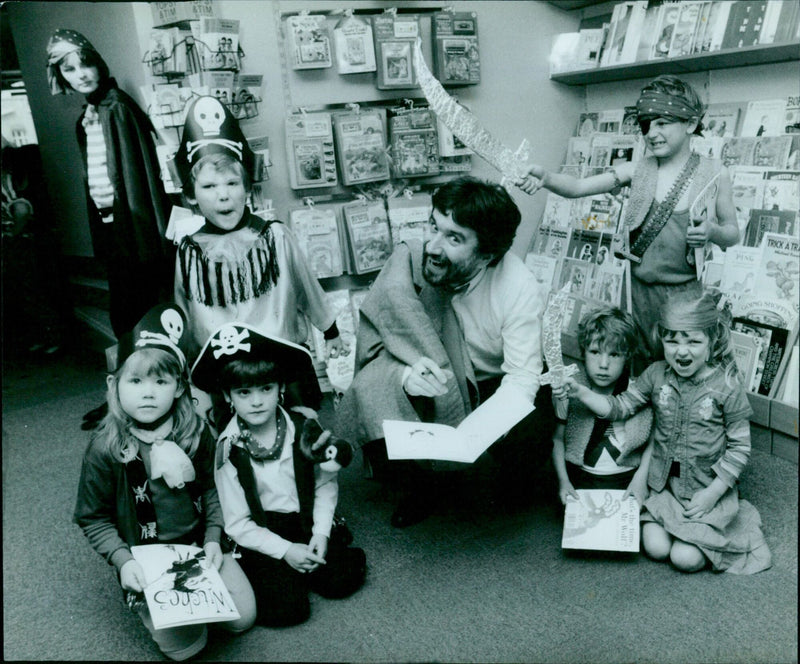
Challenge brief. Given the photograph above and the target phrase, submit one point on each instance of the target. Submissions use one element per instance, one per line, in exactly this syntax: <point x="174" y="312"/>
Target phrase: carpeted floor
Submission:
<point x="467" y="585"/>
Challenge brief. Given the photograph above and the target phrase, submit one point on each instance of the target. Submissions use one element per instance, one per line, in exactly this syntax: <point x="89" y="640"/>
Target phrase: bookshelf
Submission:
<point x="726" y="59"/>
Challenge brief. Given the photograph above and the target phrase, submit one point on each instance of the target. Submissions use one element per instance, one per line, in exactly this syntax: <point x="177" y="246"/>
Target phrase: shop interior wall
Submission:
<point x="515" y="98"/>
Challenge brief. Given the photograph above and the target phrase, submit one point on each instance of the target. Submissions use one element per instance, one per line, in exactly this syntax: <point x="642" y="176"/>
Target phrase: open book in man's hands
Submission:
<point x="467" y="441"/>
<point x="182" y="586"/>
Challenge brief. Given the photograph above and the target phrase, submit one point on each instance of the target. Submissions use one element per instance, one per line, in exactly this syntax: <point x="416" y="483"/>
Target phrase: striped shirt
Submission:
<point x="100" y="188"/>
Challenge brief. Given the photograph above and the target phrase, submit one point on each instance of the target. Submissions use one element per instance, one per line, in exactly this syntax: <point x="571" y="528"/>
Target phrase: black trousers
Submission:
<point x="282" y="592"/>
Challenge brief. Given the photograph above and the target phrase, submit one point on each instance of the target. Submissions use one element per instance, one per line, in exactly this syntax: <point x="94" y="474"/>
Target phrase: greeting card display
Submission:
<point x="219" y="43"/>
<point x="456" y="59"/>
<point x="309" y="42"/>
<point x="361" y="143"/>
<point x="309" y="146"/>
<point x="245" y="95"/>
<point x="395" y="37"/>
<point x="415" y="145"/>
<point x="354" y="46"/>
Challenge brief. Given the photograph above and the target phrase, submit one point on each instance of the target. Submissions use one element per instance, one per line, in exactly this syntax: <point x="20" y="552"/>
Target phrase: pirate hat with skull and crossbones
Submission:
<point x="211" y="128"/>
<point x="164" y="327"/>
<point x="237" y="341"/>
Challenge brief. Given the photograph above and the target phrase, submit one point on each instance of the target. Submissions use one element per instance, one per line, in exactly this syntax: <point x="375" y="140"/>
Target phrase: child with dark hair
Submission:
<point x="700" y="446"/>
<point x="664" y="184"/>
<point x="589" y="452"/>
<point x="276" y="473"/>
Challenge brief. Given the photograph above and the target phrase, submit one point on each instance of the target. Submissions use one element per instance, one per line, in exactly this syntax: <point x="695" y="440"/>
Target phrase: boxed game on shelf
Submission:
<point x="354" y="46"/>
<point x="368" y="231"/>
<point x="395" y="36"/>
<point x="414" y="142"/>
<point x="310" y="152"/>
<point x="361" y="144"/>
<point x="309" y="42"/>
<point x="317" y="231"/>
<point x="456" y="58"/>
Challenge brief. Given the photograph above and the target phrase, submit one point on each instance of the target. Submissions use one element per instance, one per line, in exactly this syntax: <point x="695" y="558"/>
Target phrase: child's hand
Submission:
<point x="565" y="490"/>
<point x="131" y="577"/>
<point x="637" y="488"/>
<point x="697" y="236"/>
<point x="301" y="559"/>
<point x="567" y="388"/>
<point x="703" y="501"/>
<point x="318" y="545"/>
<point x="336" y="347"/>
<point x="534" y="181"/>
<point x="213" y="554"/>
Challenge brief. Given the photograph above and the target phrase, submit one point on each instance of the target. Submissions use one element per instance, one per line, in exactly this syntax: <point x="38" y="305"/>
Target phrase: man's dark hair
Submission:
<point x="485" y="208"/>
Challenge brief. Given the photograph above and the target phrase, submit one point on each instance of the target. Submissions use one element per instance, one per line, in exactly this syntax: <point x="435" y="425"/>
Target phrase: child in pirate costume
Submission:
<point x="278" y="500"/>
<point x="662" y="237"/>
<point x="238" y="267"/>
<point x="147" y="475"/>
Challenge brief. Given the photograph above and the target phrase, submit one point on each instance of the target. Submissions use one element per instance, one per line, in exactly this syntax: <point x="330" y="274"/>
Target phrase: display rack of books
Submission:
<point x="645" y="39"/>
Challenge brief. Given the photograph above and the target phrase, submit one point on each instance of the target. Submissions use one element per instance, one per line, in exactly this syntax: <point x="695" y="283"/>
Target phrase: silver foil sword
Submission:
<point x="551" y="340"/>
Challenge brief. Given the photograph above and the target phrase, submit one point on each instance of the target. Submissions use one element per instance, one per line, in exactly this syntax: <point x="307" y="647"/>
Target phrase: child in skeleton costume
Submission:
<point x="277" y="477"/>
<point x="148" y="475"/>
<point x="662" y="238"/>
<point x="238" y="267"/>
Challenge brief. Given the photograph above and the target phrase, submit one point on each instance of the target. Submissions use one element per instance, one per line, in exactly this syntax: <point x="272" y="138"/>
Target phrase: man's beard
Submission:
<point x="439" y="271"/>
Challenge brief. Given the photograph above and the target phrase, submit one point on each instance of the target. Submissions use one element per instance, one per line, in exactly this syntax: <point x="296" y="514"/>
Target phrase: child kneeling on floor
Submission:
<point x="147" y="475"/>
<point x="277" y="477"/>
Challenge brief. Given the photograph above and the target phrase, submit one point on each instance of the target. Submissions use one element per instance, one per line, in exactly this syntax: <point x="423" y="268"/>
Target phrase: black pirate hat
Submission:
<point x="164" y="327"/>
<point x="237" y="341"/>
<point x="211" y="128"/>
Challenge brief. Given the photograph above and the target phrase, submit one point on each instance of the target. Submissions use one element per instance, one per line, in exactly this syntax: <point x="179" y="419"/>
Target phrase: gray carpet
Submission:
<point x="469" y="584"/>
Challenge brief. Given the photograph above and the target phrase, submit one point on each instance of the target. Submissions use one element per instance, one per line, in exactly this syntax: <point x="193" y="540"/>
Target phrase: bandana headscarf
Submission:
<point x="62" y="43"/>
<point x="655" y="103"/>
<point x="684" y="315"/>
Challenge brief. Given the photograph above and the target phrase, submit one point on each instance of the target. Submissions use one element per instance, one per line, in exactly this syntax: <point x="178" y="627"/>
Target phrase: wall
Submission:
<point x="514" y="100"/>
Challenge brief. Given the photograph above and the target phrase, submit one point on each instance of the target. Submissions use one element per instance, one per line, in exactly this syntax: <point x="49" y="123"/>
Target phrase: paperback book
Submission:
<point x="746" y="350"/>
<point x="183" y="588"/>
<point x="764" y="117"/>
<point x="769" y="221"/>
<point x="683" y="35"/>
<point x="772" y="151"/>
<point x="779" y="275"/>
<point x="317" y="232"/>
<point x="415" y="145"/>
<point x="601" y="520"/>
<point x="781" y="190"/>
<point x="721" y="120"/>
<point x="409" y="217"/>
<point x="354" y="46"/>
<point x="395" y="37"/>
<point x="772" y="345"/>
<point x="309" y="145"/>
<point x="738" y="151"/>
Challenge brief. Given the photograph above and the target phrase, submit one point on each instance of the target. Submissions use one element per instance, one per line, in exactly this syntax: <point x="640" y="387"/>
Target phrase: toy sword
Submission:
<point x="465" y="126"/>
<point x="551" y="340"/>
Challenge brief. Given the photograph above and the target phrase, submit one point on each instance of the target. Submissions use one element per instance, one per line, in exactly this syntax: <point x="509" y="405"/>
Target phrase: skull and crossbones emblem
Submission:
<point x="230" y="341"/>
<point x="210" y="115"/>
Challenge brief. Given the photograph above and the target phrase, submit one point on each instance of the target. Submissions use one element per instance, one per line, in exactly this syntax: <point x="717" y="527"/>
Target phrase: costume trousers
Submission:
<point x="282" y="592"/>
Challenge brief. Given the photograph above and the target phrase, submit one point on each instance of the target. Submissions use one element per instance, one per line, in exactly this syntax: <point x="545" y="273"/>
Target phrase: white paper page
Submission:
<point x="493" y="418"/>
<point x="419" y="440"/>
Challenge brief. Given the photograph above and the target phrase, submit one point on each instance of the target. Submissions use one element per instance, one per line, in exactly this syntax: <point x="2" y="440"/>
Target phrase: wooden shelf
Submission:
<point x="734" y="57"/>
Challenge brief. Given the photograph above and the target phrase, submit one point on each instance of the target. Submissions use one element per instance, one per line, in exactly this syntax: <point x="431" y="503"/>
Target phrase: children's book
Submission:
<point x="769" y="221"/>
<point x="544" y="268"/>
<point x="772" y="151"/>
<point x="781" y="190"/>
<point x="456" y="56"/>
<point x="395" y="37"/>
<point x="587" y="125"/>
<point x="668" y="15"/>
<point x="408" y="217"/>
<point x="415" y="145"/>
<point x="182" y="587"/>
<point x="764" y="117"/>
<point x="741" y="267"/>
<point x="698" y="40"/>
<point x="575" y="273"/>
<point x="309" y="147"/>
<point x="590" y="43"/>
<point x="683" y="35"/>
<point x="771" y="18"/>
<point x="558" y="211"/>
<point x="583" y="245"/>
<point x="600" y="156"/>
<point x="553" y="241"/>
<point x="610" y="120"/>
<point x="308" y="41"/>
<point x="738" y="151"/>
<point x="578" y="152"/>
<point x="361" y="143"/>
<point x="626" y="31"/>
<point x="791" y="122"/>
<point x="355" y="48"/>
<point x="466" y="442"/>
<point x="600" y="212"/>
<point x="744" y="23"/>
<point x="606" y="284"/>
<point x="707" y="146"/>
<point x="625" y="148"/>
<point x="317" y="234"/>
<point x="779" y="275"/>
<point x="370" y="238"/>
<point x="747" y="189"/>
<point x="772" y="345"/>
<point x="219" y="43"/>
<point x="601" y="521"/>
<point x="717" y="24"/>
<point x="746" y="349"/>
<point x="721" y="120"/>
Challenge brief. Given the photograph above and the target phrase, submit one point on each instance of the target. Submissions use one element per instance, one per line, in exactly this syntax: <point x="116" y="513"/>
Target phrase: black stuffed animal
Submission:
<point x="322" y="447"/>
